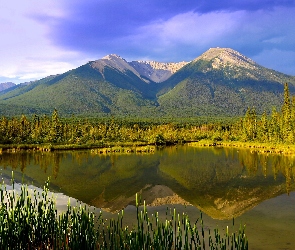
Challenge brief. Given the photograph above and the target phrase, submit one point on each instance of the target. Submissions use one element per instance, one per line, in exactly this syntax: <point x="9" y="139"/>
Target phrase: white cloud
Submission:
<point x="27" y="53"/>
<point x="249" y="32"/>
<point x="196" y="28"/>
<point x="187" y="28"/>
<point x="276" y="40"/>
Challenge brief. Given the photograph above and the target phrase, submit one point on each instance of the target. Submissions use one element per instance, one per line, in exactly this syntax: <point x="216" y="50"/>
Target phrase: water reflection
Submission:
<point x="223" y="182"/>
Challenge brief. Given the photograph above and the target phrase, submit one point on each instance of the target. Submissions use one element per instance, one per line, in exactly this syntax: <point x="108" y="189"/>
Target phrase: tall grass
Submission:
<point x="30" y="220"/>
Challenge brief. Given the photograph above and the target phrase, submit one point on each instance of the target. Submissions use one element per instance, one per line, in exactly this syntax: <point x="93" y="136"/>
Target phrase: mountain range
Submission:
<point x="220" y="82"/>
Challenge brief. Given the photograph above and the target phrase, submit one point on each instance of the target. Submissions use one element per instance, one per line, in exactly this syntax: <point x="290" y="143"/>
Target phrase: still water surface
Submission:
<point x="225" y="183"/>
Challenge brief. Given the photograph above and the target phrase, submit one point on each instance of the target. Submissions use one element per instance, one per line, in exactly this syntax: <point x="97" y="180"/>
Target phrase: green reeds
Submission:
<point x="124" y="150"/>
<point x="30" y="220"/>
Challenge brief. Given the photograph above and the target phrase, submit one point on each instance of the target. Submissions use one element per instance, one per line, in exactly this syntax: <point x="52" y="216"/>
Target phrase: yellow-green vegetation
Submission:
<point x="125" y="150"/>
<point x="30" y="220"/>
<point x="258" y="147"/>
<point x="50" y="133"/>
<point x="95" y="148"/>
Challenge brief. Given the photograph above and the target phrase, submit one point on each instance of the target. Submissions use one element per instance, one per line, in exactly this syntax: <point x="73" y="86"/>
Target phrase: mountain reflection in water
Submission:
<point x="223" y="182"/>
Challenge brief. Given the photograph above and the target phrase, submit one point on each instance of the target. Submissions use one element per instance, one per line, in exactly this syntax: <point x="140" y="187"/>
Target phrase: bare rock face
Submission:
<point x="156" y="71"/>
<point x="235" y="65"/>
<point x="231" y="62"/>
<point x="146" y="70"/>
<point x="115" y="62"/>
<point x="222" y="57"/>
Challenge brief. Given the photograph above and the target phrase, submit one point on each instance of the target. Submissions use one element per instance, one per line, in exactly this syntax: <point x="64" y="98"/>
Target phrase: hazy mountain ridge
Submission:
<point x="6" y="85"/>
<point x="219" y="82"/>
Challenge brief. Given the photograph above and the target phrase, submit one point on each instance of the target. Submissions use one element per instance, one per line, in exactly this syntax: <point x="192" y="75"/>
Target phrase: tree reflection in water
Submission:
<point x="224" y="182"/>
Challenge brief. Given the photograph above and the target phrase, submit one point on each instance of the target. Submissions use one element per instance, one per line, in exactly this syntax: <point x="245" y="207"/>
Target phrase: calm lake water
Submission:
<point x="225" y="183"/>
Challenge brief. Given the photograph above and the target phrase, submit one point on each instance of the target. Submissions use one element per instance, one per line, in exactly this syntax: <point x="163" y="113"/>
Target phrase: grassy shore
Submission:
<point x="258" y="147"/>
<point x="141" y="147"/>
<point x="101" y="147"/>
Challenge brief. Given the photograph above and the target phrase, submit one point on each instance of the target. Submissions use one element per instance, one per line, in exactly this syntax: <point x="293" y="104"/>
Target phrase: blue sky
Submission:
<point x="41" y="38"/>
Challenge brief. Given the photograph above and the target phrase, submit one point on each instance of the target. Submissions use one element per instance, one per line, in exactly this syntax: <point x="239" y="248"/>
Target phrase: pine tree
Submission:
<point x="262" y="130"/>
<point x="250" y="125"/>
<point x="293" y="117"/>
<point x="274" y="127"/>
<point x="25" y="129"/>
<point x="3" y="129"/>
<point x="246" y="122"/>
<point x="55" y="130"/>
<point x="286" y="128"/>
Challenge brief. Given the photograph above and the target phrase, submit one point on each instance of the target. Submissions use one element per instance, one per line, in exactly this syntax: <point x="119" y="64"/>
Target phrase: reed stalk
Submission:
<point x="30" y="220"/>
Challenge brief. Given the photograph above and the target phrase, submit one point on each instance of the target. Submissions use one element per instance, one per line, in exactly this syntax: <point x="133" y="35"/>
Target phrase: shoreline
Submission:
<point x="259" y="147"/>
<point x="141" y="147"/>
<point x="96" y="148"/>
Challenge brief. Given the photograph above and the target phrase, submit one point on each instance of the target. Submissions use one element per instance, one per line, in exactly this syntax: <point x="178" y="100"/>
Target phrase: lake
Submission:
<point x="257" y="190"/>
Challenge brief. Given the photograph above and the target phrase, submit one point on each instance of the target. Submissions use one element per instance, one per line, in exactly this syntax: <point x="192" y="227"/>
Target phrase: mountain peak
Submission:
<point x="222" y="57"/>
<point x="113" y="61"/>
<point x="113" y="57"/>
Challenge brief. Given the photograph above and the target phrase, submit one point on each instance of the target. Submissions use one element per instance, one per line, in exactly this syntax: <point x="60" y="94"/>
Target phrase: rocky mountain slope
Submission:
<point x="238" y="66"/>
<point x="222" y="81"/>
<point x="219" y="82"/>
<point x="156" y="71"/>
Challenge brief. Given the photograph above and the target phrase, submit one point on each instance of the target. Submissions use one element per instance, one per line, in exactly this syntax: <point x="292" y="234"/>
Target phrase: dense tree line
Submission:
<point x="277" y="127"/>
<point x="56" y="130"/>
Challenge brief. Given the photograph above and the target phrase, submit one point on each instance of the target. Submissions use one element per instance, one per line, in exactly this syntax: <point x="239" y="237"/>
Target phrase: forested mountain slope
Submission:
<point x="93" y="88"/>
<point x="220" y="82"/>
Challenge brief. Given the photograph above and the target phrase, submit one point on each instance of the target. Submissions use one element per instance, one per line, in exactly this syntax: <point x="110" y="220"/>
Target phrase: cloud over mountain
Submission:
<point x="49" y="37"/>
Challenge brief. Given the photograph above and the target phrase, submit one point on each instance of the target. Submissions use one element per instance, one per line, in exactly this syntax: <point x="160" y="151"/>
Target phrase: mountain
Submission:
<point x="6" y="85"/>
<point x="220" y="82"/>
<point x="108" y="85"/>
<point x="156" y="71"/>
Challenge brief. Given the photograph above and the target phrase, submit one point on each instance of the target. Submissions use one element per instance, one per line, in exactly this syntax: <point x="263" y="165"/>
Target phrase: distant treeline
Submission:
<point x="278" y="127"/>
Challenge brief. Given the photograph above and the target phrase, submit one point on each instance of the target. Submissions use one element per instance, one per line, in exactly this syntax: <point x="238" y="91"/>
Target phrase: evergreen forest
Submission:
<point x="277" y="127"/>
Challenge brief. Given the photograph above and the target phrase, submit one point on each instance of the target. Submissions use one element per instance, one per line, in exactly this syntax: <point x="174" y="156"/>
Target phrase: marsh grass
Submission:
<point x="125" y="150"/>
<point x="29" y="220"/>
<point x="115" y="147"/>
<point x="259" y="147"/>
